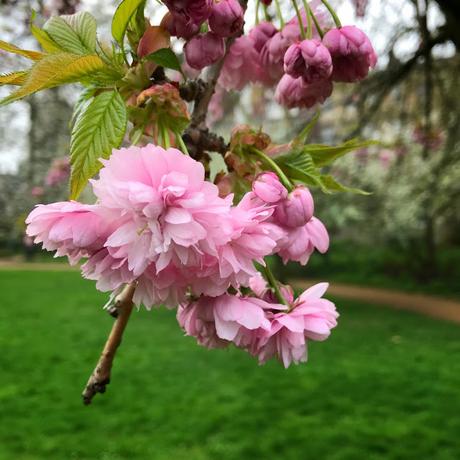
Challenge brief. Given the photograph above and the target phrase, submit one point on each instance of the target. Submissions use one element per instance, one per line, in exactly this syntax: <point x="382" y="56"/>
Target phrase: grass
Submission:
<point x="384" y="386"/>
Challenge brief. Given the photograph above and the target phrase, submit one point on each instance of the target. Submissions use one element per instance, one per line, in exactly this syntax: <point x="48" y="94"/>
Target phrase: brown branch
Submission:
<point x="384" y="81"/>
<point x="100" y="377"/>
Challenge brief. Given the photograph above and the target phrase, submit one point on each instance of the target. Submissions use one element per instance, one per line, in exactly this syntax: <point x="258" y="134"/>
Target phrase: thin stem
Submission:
<point x="333" y="13"/>
<point x="257" y="11"/>
<point x="279" y="14"/>
<point x="283" y="178"/>
<point x="274" y="284"/>
<point x="182" y="145"/>
<point x="166" y="140"/>
<point x="309" y="24"/>
<point x="315" y="20"/>
<point x="267" y="16"/>
<point x="100" y="377"/>
<point x="299" y="18"/>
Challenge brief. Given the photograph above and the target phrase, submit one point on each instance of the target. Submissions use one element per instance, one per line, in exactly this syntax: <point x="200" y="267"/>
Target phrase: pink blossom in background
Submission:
<point x="240" y="65"/>
<point x="216" y="106"/>
<point x="37" y="191"/>
<point x="352" y="53"/>
<point x="360" y="7"/>
<point x="59" y="172"/>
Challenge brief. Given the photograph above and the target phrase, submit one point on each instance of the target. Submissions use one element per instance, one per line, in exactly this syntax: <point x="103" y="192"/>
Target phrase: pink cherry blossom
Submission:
<point x="309" y="59"/>
<point x="203" y="50"/>
<point x="227" y="18"/>
<point x="240" y="65"/>
<point x="59" y="172"/>
<point x="300" y="242"/>
<point x="310" y="318"/>
<point x="218" y="321"/>
<point x="352" y="53"/>
<point x="295" y="92"/>
<point x="71" y="229"/>
<point x="159" y="222"/>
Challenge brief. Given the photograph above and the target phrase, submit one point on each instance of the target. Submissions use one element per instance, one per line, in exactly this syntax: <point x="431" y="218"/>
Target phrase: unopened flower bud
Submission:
<point x="204" y="50"/>
<point x="297" y="209"/>
<point x="268" y="188"/>
<point x="227" y="18"/>
<point x="309" y="59"/>
<point x="352" y="53"/>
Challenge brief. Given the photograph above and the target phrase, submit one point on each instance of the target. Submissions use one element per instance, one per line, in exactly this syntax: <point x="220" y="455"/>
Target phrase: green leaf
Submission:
<point x="98" y="129"/>
<point x="13" y="78"/>
<point x="165" y="57"/>
<point x="75" y="33"/>
<point x="121" y="18"/>
<point x="82" y="102"/>
<point x="33" y="55"/>
<point x="331" y="185"/>
<point x="55" y="70"/>
<point x="324" y="155"/>
<point x="302" y="137"/>
<point x="217" y="165"/>
<point x="45" y="41"/>
<point x="299" y="166"/>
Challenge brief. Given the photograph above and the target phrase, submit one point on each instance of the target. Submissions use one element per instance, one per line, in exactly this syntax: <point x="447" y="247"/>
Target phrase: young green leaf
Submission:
<point x="55" y="70"/>
<point x="98" y="129"/>
<point x="121" y="18"/>
<point x="75" y="33"/>
<point x="302" y="137"/>
<point x="324" y="155"/>
<point x="165" y="57"/>
<point x="82" y="102"/>
<point x="33" y="55"/>
<point x="45" y="41"/>
<point x="331" y="185"/>
<point x="14" y="78"/>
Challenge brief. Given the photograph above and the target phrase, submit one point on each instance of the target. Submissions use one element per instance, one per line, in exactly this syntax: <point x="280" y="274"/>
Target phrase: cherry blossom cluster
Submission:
<point x="303" y="69"/>
<point x="221" y="19"/>
<point x="157" y="222"/>
<point x="302" y="59"/>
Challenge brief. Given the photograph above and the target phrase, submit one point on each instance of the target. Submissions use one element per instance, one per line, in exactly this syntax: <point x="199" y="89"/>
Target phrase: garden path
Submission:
<point x="436" y="307"/>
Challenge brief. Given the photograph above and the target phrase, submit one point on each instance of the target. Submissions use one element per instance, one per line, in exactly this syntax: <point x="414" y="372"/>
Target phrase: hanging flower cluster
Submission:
<point x="303" y="58"/>
<point x="158" y="222"/>
<point x="184" y="218"/>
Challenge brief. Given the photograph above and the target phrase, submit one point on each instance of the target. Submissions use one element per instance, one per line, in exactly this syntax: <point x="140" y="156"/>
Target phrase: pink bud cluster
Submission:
<point x="303" y="69"/>
<point x="225" y="18"/>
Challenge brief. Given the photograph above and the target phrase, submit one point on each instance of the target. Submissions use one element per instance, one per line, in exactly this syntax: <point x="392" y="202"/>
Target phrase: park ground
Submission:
<point x="384" y="386"/>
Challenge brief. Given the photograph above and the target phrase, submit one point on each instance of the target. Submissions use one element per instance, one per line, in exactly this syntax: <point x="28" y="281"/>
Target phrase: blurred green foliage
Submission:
<point x="384" y="386"/>
<point x="382" y="266"/>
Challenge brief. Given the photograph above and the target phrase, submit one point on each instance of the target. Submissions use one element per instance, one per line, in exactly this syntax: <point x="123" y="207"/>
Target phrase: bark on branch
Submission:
<point x="100" y="377"/>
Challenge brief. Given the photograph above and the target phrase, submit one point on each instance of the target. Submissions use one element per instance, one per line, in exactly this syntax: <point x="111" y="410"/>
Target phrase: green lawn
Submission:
<point x="385" y="386"/>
